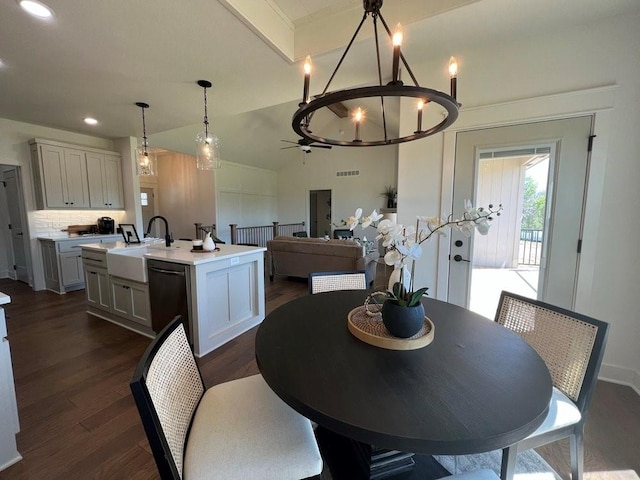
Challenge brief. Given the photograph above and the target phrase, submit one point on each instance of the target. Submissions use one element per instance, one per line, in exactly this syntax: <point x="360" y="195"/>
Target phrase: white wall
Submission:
<point x="245" y="196"/>
<point x="579" y="58"/>
<point x="377" y="168"/>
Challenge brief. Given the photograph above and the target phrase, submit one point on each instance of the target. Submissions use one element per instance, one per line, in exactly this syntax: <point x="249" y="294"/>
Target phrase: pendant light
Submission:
<point x="147" y="164"/>
<point x="208" y="151"/>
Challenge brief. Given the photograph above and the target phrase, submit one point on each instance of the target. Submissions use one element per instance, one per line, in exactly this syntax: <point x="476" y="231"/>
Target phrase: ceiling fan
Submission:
<point x="304" y="145"/>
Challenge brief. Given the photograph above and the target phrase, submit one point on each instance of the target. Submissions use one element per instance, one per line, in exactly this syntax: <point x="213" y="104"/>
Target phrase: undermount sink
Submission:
<point x="129" y="264"/>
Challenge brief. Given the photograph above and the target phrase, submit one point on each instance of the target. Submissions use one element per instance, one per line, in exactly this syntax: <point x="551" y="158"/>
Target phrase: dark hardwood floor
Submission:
<point x="78" y="419"/>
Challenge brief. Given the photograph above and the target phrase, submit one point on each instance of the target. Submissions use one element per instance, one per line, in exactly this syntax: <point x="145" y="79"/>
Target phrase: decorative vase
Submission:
<point x="208" y="243"/>
<point x="403" y="322"/>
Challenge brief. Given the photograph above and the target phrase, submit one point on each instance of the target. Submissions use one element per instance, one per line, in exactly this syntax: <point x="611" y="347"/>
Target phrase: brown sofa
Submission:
<point x="298" y="257"/>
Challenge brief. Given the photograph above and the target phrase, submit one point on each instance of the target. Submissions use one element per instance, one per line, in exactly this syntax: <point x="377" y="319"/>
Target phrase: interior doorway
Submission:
<point x="148" y="205"/>
<point x="319" y="213"/>
<point x="15" y="225"/>
<point x="497" y="165"/>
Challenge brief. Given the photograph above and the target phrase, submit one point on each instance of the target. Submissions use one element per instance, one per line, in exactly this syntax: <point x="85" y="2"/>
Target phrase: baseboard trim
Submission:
<point x="13" y="461"/>
<point x="621" y="376"/>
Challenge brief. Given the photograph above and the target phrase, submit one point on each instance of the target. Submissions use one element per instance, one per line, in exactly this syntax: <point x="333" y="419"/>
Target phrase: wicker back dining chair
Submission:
<point x="572" y="346"/>
<point x="234" y="430"/>
<point x="320" y="282"/>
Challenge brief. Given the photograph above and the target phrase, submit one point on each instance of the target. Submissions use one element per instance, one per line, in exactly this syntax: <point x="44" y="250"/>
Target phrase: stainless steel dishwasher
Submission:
<point x="169" y="293"/>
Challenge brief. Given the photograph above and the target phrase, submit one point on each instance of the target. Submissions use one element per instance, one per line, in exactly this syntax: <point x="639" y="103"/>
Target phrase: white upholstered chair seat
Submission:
<point x="257" y="436"/>
<point x="562" y="413"/>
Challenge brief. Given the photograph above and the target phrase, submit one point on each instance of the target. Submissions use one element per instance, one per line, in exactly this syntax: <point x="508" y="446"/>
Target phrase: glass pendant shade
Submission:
<point x="147" y="162"/>
<point x="207" y="144"/>
<point x="207" y="152"/>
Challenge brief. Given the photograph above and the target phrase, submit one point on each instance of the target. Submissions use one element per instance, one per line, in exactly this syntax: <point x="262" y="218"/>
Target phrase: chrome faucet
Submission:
<point x="167" y="236"/>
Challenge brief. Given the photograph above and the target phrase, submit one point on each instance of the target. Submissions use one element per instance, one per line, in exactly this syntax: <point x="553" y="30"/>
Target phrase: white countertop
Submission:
<point x="4" y="298"/>
<point x="179" y="252"/>
<point x="65" y="237"/>
<point x="121" y="245"/>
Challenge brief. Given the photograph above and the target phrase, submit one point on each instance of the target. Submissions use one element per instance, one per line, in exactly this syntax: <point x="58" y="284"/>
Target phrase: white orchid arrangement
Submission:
<point x="404" y="243"/>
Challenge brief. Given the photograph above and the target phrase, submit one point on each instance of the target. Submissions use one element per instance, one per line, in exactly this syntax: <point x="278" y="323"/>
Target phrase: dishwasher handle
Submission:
<point x="168" y="272"/>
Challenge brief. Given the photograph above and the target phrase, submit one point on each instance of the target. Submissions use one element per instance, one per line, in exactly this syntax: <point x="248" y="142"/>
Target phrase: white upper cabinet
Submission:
<point x="105" y="181"/>
<point x="64" y="177"/>
<point x="73" y="177"/>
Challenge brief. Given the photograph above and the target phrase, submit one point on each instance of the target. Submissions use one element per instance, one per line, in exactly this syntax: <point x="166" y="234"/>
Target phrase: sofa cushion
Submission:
<point x="314" y="246"/>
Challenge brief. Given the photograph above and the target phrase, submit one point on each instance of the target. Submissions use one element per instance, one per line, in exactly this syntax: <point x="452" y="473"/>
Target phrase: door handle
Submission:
<point x="458" y="258"/>
<point x="167" y="272"/>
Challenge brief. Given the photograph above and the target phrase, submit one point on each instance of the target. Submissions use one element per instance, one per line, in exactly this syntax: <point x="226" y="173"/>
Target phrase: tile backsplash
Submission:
<point x="52" y="222"/>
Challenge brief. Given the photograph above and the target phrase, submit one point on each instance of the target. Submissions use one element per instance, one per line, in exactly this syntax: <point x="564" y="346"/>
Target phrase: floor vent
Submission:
<point x="348" y="173"/>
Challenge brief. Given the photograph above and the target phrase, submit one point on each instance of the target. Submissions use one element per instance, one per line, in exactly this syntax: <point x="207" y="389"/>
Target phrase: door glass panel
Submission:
<point x="508" y="258"/>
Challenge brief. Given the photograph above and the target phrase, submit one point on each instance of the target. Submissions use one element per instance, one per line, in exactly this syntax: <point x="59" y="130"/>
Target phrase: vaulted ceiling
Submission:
<point x="99" y="58"/>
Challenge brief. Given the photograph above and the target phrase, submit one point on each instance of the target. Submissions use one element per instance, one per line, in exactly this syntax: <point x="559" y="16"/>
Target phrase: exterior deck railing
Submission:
<point x="530" y="247"/>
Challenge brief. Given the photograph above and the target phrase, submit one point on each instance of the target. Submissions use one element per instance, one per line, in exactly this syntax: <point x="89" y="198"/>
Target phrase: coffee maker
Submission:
<point x="106" y="225"/>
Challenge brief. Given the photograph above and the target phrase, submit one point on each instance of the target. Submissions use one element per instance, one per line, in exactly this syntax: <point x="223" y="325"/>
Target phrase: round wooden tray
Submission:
<point x="371" y="330"/>
<point x="205" y="251"/>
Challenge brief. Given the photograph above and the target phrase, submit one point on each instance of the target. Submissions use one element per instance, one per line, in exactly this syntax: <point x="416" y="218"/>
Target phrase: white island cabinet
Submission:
<point x="224" y="289"/>
<point x="9" y="425"/>
<point x="227" y="294"/>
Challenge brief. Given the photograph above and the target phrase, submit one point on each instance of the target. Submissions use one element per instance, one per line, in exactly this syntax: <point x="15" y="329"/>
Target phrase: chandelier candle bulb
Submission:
<point x="397" y="43"/>
<point x="307" y="79"/>
<point x="358" y="118"/>
<point x="453" y="72"/>
<point x="420" y="108"/>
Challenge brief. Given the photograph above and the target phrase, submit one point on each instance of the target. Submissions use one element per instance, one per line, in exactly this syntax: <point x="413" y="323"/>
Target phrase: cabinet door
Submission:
<point x="141" y="310"/>
<point x="120" y="298"/>
<point x="71" y="266"/>
<point x="76" y="175"/>
<point x="104" y="174"/>
<point x="54" y="180"/>
<point x="113" y="181"/>
<point x="95" y="177"/>
<point x="97" y="287"/>
<point x="131" y="300"/>
<point x="8" y="404"/>
<point x="50" y="262"/>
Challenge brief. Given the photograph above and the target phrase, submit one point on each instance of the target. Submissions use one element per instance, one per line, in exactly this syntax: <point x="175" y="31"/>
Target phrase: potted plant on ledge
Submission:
<point x="402" y="309"/>
<point x="391" y="194"/>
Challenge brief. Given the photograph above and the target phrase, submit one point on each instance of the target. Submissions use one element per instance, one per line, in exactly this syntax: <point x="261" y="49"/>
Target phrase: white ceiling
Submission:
<point x="97" y="58"/>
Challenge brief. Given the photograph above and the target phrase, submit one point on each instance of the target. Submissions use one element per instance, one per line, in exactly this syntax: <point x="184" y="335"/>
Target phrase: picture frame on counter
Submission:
<point x="129" y="233"/>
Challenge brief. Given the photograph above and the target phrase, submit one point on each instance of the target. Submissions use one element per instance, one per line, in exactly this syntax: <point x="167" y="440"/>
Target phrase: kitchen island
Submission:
<point x="224" y="289"/>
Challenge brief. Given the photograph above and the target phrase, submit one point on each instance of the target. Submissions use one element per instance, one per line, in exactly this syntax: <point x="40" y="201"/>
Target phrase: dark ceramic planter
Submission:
<point x="403" y="322"/>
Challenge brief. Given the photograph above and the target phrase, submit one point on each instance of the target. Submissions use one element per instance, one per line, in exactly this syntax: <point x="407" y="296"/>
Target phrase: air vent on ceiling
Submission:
<point x="348" y="173"/>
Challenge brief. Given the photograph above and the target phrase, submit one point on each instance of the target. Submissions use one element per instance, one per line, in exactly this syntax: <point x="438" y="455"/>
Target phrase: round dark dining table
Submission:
<point x="477" y="387"/>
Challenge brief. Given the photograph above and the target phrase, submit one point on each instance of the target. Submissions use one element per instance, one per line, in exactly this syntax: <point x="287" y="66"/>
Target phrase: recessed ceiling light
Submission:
<point x="90" y="121"/>
<point x="35" y="8"/>
<point x="1" y="63"/>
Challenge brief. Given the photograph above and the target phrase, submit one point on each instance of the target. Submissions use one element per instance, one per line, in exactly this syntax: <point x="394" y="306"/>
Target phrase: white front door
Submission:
<point x="16" y="207"/>
<point x="566" y="142"/>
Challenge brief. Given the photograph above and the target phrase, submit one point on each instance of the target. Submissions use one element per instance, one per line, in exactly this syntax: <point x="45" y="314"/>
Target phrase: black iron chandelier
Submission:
<point x="302" y="118"/>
